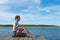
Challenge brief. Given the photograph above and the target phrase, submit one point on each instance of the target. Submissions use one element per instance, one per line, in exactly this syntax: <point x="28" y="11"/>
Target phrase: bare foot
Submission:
<point x="32" y="36"/>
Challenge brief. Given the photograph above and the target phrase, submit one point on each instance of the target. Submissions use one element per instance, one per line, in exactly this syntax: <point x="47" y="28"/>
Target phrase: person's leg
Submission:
<point x="20" y="34"/>
<point x="19" y="31"/>
<point x="27" y="32"/>
<point x="14" y="34"/>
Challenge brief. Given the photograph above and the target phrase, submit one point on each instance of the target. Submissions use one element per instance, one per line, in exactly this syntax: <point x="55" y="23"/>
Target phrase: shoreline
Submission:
<point x="32" y="26"/>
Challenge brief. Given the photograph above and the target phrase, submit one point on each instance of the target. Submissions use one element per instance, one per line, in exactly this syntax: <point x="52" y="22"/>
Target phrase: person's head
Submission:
<point x="17" y="18"/>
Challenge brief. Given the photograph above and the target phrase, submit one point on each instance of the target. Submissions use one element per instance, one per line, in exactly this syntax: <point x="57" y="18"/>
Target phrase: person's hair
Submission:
<point x="17" y="16"/>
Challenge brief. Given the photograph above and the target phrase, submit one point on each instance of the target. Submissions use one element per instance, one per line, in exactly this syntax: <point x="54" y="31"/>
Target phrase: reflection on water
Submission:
<point x="49" y="33"/>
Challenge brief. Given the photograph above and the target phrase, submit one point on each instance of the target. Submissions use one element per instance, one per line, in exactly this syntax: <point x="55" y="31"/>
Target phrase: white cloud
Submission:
<point x="16" y="2"/>
<point x="3" y="8"/>
<point x="27" y="1"/>
<point x="39" y="9"/>
<point x="6" y="15"/>
<point x="36" y="1"/>
<point x="25" y="10"/>
<point x="51" y="9"/>
<point x="55" y="8"/>
<point x="57" y="13"/>
<point x="27" y="18"/>
<point x="3" y="1"/>
<point x="20" y="2"/>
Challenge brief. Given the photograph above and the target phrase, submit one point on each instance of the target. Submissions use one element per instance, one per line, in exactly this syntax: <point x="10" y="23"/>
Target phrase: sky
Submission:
<point x="31" y="11"/>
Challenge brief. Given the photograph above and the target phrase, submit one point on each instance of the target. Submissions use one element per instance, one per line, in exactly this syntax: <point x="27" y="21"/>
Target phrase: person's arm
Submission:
<point x="15" y="27"/>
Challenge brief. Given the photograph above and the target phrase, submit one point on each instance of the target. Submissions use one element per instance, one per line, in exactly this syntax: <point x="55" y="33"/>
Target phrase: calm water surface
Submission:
<point x="49" y="33"/>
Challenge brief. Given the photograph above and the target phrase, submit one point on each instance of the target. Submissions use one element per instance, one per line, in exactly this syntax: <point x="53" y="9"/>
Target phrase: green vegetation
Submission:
<point x="53" y="26"/>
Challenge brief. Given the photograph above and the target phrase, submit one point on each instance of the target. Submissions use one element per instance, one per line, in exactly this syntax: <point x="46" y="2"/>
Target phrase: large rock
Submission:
<point x="22" y="38"/>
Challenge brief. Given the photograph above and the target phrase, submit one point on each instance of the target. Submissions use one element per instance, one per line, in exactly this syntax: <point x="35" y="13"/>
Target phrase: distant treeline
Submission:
<point x="31" y="25"/>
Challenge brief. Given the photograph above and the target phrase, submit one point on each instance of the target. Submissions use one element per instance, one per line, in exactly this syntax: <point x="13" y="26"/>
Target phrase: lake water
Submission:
<point x="48" y="33"/>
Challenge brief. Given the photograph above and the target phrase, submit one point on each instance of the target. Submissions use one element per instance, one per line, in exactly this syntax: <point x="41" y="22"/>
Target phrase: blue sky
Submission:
<point x="31" y="11"/>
